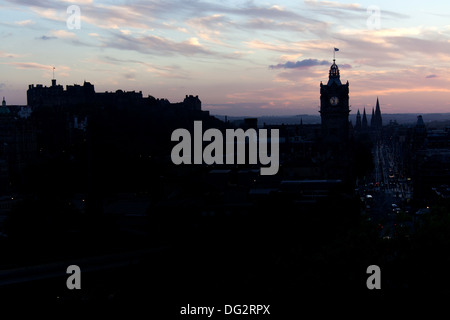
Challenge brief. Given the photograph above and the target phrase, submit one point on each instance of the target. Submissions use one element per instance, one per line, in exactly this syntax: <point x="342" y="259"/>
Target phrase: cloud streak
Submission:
<point x="25" y="22"/>
<point x="155" y="45"/>
<point x="306" y="63"/>
<point x="338" y="9"/>
<point x="31" y="65"/>
<point x="8" y="55"/>
<point x="44" y="37"/>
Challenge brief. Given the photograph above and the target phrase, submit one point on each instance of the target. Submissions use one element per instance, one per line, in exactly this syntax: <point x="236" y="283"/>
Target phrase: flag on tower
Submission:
<point x="334" y="53"/>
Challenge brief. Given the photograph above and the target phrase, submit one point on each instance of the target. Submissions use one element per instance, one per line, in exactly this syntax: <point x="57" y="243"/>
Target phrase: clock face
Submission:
<point x="334" y="101"/>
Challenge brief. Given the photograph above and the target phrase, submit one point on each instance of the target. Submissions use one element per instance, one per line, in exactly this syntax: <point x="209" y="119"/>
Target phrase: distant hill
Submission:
<point x="430" y="119"/>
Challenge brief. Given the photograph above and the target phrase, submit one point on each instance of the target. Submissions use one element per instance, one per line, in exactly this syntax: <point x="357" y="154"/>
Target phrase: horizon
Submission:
<point x="239" y="58"/>
<point x="352" y="113"/>
<point x="409" y="119"/>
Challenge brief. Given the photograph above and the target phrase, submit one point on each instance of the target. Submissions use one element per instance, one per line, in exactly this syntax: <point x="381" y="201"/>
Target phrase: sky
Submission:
<point x="242" y="58"/>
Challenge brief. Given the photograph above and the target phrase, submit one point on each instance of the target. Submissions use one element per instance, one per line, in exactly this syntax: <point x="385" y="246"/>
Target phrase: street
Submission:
<point x="387" y="193"/>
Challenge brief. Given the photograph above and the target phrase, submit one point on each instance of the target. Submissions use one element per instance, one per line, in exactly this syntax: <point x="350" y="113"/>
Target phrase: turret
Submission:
<point x="378" y="119"/>
<point x="358" y="121"/>
<point x="364" y="125"/>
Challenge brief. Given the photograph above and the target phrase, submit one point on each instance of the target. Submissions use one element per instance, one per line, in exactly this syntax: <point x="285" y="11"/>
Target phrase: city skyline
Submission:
<point x="269" y="151"/>
<point x="240" y="58"/>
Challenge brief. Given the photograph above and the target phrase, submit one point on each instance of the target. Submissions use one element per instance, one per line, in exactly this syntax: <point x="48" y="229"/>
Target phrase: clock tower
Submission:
<point x="334" y="108"/>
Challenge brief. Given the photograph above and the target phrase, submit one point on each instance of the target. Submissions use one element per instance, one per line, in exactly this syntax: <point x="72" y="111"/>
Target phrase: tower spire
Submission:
<point x="364" y="121"/>
<point x="358" y="121"/>
<point x="334" y="75"/>
<point x="53" y="80"/>
<point x="378" y="119"/>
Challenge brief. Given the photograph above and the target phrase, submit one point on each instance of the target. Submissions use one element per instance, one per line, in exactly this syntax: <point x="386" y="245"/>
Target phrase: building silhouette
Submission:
<point x="59" y="99"/>
<point x="430" y="162"/>
<point x="335" y="148"/>
<point x="17" y="143"/>
<point x="376" y="121"/>
<point x="334" y="108"/>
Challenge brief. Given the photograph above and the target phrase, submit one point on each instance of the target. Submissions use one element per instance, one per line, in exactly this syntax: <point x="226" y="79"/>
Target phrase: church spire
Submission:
<point x="4" y="110"/>
<point x="378" y="119"/>
<point x="358" y="121"/>
<point x="364" y="125"/>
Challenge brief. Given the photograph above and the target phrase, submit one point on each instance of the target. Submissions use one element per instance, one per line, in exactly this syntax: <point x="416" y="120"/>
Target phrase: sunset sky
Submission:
<point x="243" y="58"/>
